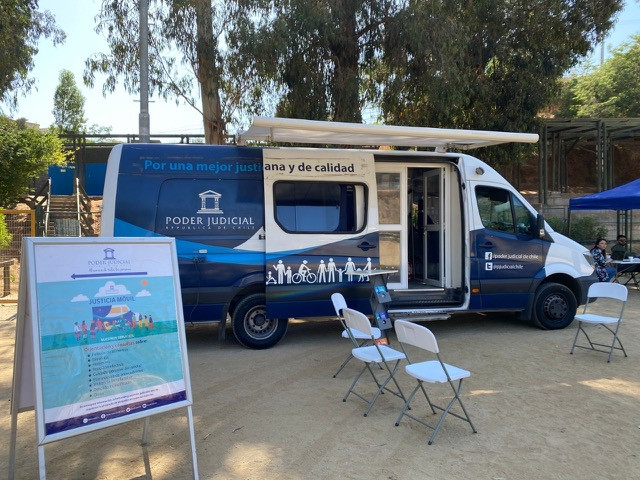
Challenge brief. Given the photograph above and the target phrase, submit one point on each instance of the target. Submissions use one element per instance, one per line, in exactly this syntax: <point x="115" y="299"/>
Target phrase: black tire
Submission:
<point x="554" y="306"/>
<point x="251" y="326"/>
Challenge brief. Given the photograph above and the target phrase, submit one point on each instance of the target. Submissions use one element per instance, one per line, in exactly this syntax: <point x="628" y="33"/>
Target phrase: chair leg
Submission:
<point x="446" y="411"/>
<point x="613" y="342"/>
<point x="463" y="407"/>
<point x="604" y="348"/>
<point x="355" y="380"/>
<point x="586" y="335"/>
<point x="575" y="339"/>
<point x="346" y="360"/>
<point x="406" y="405"/>
<point x="383" y="386"/>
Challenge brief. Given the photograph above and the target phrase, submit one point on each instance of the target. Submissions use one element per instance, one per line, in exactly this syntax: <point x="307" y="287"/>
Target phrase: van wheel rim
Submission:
<point x="555" y="307"/>
<point x="257" y="325"/>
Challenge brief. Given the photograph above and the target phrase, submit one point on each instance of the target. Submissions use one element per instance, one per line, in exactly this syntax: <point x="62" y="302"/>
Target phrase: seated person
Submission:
<point x="619" y="251"/>
<point x="604" y="270"/>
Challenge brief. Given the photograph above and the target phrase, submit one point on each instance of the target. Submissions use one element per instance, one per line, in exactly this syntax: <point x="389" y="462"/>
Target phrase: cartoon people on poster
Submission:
<point x="326" y="272"/>
<point x="110" y="317"/>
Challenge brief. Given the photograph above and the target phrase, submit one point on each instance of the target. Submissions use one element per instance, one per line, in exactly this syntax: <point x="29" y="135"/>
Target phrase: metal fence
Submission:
<point x="20" y="224"/>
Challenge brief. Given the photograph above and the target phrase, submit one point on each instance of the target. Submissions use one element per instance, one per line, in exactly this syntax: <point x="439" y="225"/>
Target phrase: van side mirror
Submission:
<point x="540" y="225"/>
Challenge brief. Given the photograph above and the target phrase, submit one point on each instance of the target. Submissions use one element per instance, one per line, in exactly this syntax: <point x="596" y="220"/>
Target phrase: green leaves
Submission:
<point x="613" y="90"/>
<point x="25" y="154"/>
<point x="68" y="105"/>
<point x="485" y="64"/>
<point x="21" y="27"/>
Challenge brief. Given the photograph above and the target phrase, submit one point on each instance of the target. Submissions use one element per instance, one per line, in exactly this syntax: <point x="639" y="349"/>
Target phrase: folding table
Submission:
<point x="631" y="267"/>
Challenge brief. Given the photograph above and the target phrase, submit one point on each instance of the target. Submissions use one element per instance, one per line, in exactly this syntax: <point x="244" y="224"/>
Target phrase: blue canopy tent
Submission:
<point x="622" y="199"/>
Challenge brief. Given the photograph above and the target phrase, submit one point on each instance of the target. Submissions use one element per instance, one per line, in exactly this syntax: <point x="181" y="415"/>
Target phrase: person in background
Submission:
<point x="604" y="270"/>
<point x="620" y="251"/>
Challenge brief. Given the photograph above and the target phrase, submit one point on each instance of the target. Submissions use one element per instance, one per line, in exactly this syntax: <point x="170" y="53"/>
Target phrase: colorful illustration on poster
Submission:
<point x="109" y="348"/>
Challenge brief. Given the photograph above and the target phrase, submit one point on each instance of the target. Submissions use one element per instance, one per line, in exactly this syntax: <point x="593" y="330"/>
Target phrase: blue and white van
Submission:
<point x="265" y="234"/>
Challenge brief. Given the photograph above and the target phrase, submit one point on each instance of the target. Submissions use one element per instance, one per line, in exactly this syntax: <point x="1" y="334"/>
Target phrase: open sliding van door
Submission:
<point x="321" y="226"/>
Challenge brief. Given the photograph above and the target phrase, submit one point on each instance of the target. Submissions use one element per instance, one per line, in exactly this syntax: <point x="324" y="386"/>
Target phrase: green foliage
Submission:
<point x="189" y="33"/>
<point x="5" y="236"/>
<point x="613" y="90"/>
<point x="584" y="230"/>
<point x="315" y="53"/>
<point x="21" y="27"/>
<point x="25" y="154"/>
<point x="488" y="64"/>
<point x="68" y="105"/>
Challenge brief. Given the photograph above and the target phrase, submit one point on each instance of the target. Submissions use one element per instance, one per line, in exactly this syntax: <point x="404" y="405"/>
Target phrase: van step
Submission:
<point x="419" y="317"/>
<point x="425" y="302"/>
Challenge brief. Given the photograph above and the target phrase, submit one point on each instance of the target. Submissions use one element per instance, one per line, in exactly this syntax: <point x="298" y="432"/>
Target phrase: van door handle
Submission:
<point x="365" y="246"/>
<point x="487" y="245"/>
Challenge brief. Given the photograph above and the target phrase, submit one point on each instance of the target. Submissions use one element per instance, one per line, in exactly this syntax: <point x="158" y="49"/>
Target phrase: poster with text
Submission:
<point x="111" y="338"/>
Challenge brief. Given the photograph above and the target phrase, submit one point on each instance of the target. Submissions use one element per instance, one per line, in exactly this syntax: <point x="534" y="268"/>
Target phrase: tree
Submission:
<point x="612" y="90"/>
<point x="484" y="64"/>
<point x="314" y="54"/>
<point x="181" y="32"/>
<point x="68" y="105"/>
<point x="25" y="154"/>
<point x="22" y="26"/>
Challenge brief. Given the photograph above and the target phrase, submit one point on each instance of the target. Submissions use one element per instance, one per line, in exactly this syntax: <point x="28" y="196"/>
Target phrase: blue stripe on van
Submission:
<point x="222" y="254"/>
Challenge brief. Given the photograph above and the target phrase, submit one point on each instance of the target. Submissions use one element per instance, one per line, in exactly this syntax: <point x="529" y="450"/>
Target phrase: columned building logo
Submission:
<point x="210" y="202"/>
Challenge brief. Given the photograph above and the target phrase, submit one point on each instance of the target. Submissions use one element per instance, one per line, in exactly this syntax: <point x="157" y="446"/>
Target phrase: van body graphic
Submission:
<point x="266" y="234"/>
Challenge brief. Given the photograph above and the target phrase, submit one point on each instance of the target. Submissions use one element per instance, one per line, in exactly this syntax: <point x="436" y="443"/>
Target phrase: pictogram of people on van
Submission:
<point x="326" y="272"/>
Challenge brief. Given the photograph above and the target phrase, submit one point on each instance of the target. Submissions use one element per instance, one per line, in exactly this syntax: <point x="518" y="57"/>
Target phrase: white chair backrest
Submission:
<point x="416" y="335"/>
<point x="339" y="303"/>
<point x="357" y="320"/>
<point x="608" y="290"/>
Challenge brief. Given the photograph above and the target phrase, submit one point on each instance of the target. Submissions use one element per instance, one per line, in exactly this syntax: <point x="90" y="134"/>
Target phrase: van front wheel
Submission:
<point x="251" y="326"/>
<point x="554" y="306"/>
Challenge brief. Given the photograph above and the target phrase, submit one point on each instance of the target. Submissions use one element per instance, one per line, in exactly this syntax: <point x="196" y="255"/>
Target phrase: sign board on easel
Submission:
<point x="99" y="336"/>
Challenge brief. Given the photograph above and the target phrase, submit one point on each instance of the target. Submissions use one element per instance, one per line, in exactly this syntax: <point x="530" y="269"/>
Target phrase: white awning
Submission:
<point x="278" y="130"/>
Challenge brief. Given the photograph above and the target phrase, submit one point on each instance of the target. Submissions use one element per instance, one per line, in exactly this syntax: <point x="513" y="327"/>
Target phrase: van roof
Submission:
<point x="293" y="130"/>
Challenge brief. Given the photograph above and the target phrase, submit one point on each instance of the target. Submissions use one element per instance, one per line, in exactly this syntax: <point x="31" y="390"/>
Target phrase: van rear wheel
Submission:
<point x="554" y="306"/>
<point x="251" y="326"/>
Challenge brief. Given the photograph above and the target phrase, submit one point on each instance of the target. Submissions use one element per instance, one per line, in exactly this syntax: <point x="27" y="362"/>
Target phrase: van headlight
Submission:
<point x="589" y="258"/>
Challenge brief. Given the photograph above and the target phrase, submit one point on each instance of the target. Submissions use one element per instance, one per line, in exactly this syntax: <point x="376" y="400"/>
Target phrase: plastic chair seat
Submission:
<point x="371" y="353"/>
<point x="593" y="318"/>
<point x="431" y="371"/>
<point x="357" y="334"/>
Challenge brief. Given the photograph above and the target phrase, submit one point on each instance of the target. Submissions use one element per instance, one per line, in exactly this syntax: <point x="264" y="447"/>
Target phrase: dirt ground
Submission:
<point x="278" y="414"/>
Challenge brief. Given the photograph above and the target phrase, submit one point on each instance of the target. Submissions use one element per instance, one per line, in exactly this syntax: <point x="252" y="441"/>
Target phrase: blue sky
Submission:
<point x="120" y="110"/>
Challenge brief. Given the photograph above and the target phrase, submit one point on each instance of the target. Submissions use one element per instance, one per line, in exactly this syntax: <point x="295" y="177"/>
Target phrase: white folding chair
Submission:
<point x="339" y="303"/>
<point x="380" y="354"/>
<point x="431" y="371"/>
<point x="613" y="291"/>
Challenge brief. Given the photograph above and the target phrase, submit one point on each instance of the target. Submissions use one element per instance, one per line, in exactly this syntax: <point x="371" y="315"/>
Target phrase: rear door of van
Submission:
<point x="321" y="227"/>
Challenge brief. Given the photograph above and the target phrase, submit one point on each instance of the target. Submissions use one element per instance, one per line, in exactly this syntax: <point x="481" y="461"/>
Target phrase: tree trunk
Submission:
<point x="345" y="51"/>
<point x="209" y="74"/>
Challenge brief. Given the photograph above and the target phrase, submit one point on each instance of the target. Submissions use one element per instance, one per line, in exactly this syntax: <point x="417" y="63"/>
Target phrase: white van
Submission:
<point x="268" y="233"/>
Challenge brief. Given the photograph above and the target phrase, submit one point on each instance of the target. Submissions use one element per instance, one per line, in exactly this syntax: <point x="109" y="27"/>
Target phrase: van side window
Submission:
<point x="319" y="207"/>
<point x="500" y="210"/>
